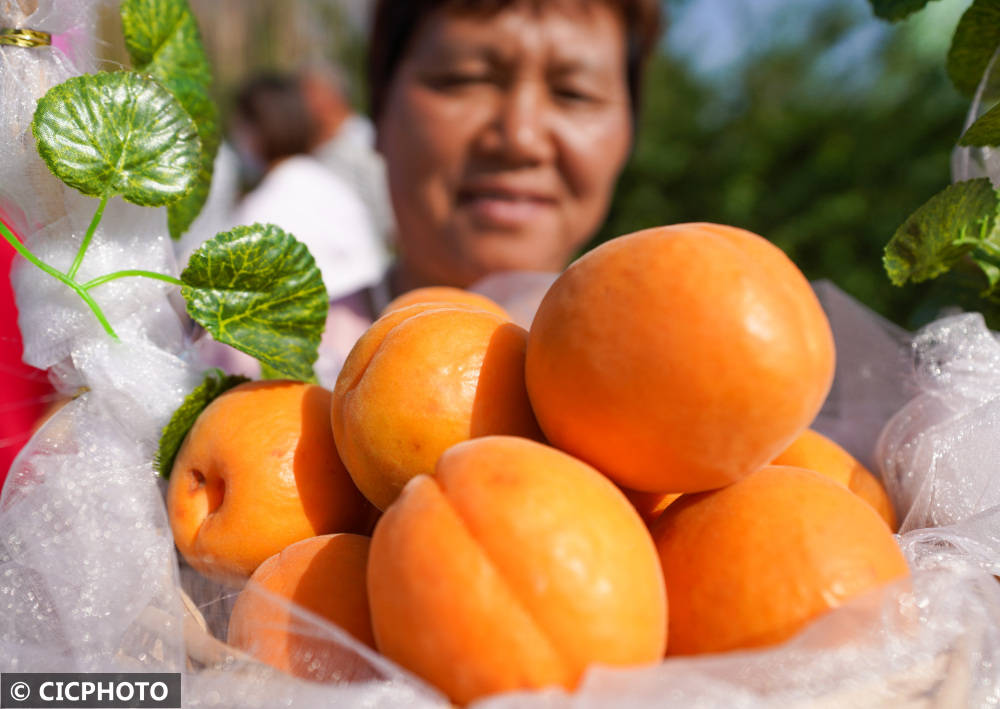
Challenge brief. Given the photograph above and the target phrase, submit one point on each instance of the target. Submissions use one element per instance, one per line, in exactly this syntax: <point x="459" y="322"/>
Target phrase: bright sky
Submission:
<point x="717" y="34"/>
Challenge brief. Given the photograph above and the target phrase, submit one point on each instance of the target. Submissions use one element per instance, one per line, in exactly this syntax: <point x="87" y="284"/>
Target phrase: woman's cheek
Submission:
<point x="594" y="149"/>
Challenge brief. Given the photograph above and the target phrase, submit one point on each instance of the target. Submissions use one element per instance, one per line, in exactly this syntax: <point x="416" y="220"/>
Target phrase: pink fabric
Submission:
<point x="74" y="43"/>
<point x="26" y="391"/>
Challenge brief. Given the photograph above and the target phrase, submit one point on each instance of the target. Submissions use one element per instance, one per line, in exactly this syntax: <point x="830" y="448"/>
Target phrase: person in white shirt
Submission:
<point x="272" y="128"/>
<point x="344" y="141"/>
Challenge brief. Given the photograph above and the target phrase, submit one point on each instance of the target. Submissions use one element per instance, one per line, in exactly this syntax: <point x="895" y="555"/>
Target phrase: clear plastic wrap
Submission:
<point x="52" y="218"/>
<point x="871" y="379"/>
<point x="90" y="580"/>
<point x="941" y="451"/>
<point x="86" y="555"/>
<point x="31" y="200"/>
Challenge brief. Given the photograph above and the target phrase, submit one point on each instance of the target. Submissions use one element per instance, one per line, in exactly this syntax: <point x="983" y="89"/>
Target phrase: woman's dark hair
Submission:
<point x="395" y="22"/>
<point x="274" y="107"/>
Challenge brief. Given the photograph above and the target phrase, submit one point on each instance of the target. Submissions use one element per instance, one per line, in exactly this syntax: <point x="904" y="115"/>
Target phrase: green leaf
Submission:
<point x="199" y="105"/>
<point x="118" y="134"/>
<point x="215" y="383"/>
<point x="985" y="131"/>
<point x="267" y="372"/>
<point x="197" y="102"/>
<point x="990" y="269"/>
<point x="973" y="45"/>
<point x="953" y="223"/>
<point x="182" y="213"/>
<point x="894" y="10"/>
<point x="162" y="39"/>
<point x="259" y="290"/>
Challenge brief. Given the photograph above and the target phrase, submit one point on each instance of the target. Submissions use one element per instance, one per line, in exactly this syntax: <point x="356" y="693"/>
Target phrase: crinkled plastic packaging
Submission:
<point x="90" y="580"/>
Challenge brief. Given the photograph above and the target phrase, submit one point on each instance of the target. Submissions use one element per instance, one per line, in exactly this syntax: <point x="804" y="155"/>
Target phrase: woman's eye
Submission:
<point x="460" y="79"/>
<point x="572" y="94"/>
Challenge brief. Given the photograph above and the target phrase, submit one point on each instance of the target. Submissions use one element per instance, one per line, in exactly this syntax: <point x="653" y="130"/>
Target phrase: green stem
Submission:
<point x="101" y="280"/>
<point x="24" y="251"/>
<point x="89" y="300"/>
<point x="87" y="238"/>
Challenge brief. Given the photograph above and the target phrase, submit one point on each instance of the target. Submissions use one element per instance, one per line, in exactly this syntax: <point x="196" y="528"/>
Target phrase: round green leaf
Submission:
<point x="258" y="289"/>
<point x="162" y="39"/>
<point x="948" y="226"/>
<point x="985" y="131"/>
<point x="118" y="133"/>
<point x="976" y="40"/>
<point x="196" y="101"/>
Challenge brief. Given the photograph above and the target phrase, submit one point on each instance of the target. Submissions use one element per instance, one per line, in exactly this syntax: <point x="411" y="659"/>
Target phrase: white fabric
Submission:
<point x="321" y="210"/>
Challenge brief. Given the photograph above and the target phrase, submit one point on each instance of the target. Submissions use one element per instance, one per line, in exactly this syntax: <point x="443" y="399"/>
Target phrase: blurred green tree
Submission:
<point x="824" y="164"/>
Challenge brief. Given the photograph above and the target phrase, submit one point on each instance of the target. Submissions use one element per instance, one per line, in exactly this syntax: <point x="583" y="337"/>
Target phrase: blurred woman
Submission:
<point x="504" y="125"/>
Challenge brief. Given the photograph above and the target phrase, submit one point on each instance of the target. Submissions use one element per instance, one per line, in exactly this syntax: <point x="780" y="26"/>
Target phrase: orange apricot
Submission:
<point x="446" y="294"/>
<point x="814" y="451"/>
<point x="514" y="566"/>
<point x="324" y="575"/>
<point x="680" y="358"/>
<point x="421" y="379"/>
<point x="258" y="471"/>
<point x="750" y="564"/>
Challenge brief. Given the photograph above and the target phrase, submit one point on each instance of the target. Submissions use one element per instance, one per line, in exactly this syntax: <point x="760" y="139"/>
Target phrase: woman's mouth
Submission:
<point x="504" y="208"/>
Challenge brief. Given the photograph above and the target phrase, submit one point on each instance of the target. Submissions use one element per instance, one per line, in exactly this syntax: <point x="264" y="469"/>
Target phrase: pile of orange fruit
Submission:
<point x="498" y="509"/>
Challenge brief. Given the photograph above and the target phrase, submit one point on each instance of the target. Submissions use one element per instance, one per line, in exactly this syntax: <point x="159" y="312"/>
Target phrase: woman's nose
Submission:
<point x="520" y="132"/>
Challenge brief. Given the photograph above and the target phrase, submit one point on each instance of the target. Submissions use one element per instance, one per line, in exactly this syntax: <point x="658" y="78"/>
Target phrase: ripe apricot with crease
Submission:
<point x="421" y="379"/>
<point x="259" y="470"/>
<point x="446" y="294"/>
<point x="514" y="566"/>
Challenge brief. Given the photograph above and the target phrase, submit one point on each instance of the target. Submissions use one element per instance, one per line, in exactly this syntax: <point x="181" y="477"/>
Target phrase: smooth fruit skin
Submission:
<point x="446" y="294"/>
<point x="324" y="575"/>
<point x="258" y="471"/>
<point x="814" y="451"/>
<point x="680" y="358"/>
<point x="420" y="380"/>
<point x="515" y="566"/>
<point x="750" y="564"/>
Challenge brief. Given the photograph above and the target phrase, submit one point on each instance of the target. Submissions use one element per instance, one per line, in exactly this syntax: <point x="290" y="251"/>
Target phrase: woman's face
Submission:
<point x="503" y="136"/>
